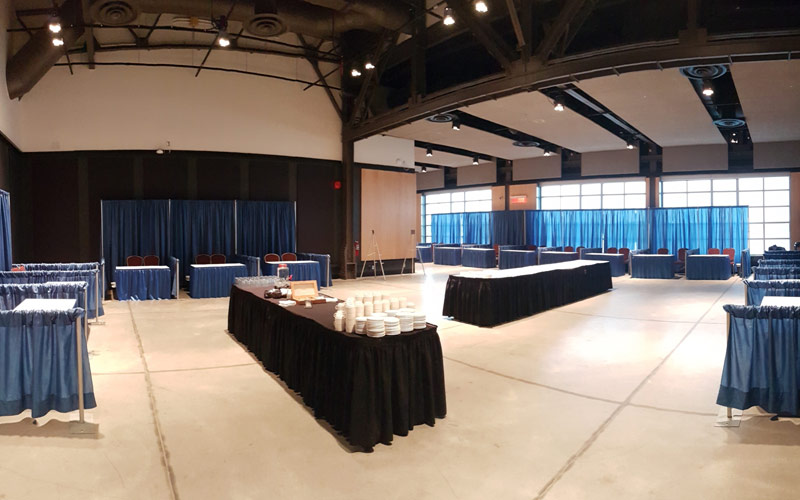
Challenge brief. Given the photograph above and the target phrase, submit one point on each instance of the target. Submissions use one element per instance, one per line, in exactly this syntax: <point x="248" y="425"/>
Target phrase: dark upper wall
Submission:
<point x="7" y="155"/>
<point x="56" y="196"/>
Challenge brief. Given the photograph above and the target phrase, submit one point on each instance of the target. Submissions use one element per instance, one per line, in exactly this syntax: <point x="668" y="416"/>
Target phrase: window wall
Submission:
<point x="767" y="197"/>
<point x="473" y="200"/>
<point x="629" y="193"/>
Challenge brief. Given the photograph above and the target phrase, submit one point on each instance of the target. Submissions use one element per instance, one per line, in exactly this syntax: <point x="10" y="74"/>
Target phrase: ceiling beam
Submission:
<point x="512" y="13"/>
<point x="575" y="26"/>
<point x="559" y="28"/>
<point x="483" y="31"/>
<point x="581" y="66"/>
<point x="90" y="41"/>
<point x="320" y="77"/>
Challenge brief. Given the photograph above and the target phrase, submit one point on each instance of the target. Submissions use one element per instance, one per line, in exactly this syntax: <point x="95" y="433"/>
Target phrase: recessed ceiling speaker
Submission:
<point x="441" y="118"/>
<point x="114" y="12"/>
<point x="266" y="25"/>
<point x="729" y="123"/>
<point x="708" y="72"/>
<point x="525" y="144"/>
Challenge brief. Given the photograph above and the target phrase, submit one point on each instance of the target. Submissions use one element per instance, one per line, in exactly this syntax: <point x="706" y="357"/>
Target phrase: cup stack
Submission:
<point x="359" y="308"/>
<point x="392" y="326"/>
<point x="406" y="321"/>
<point x="359" y="296"/>
<point x="376" y="296"/>
<point x="394" y="303"/>
<point x="338" y="321"/>
<point x="377" y="305"/>
<point x="368" y="308"/>
<point x="403" y="303"/>
<point x="419" y="320"/>
<point x="375" y="326"/>
<point x="349" y="317"/>
<point x="410" y="305"/>
<point x="386" y="305"/>
<point x="361" y="325"/>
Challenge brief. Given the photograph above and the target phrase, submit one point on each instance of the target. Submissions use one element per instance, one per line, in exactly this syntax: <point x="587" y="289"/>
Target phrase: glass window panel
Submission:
<point x="428" y="220"/>
<point x="613" y="187"/>
<point x="776" y="183"/>
<point x="437" y="198"/>
<point x="780" y="230"/>
<point x="756" y="247"/>
<point x="724" y="184"/>
<point x="754" y="198"/>
<point x="699" y="199"/>
<point x="698" y="185"/>
<point x="457" y="207"/>
<point x="776" y="198"/>
<point x="756" y="214"/>
<point x="756" y="231"/>
<point x="781" y="243"/>
<point x="570" y="189"/>
<point x="478" y="206"/>
<point x="551" y="190"/>
<point x="570" y="202"/>
<point x="483" y="194"/>
<point x="593" y="188"/>
<point x="457" y="196"/>
<point x="635" y="201"/>
<point x="751" y="184"/>
<point x="437" y="208"/>
<point x="776" y="214"/>
<point x="673" y="186"/>
<point x="551" y="203"/>
<point x="671" y="200"/>
<point x="724" y="199"/>
<point x="635" y="187"/>
<point x="590" y="202"/>
<point x="614" y="201"/>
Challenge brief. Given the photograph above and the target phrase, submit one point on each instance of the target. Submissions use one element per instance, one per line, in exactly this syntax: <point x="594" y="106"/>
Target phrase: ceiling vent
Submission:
<point x="526" y="144"/>
<point x="266" y="25"/>
<point x="729" y="123"/>
<point x="708" y="72"/>
<point x="441" y="118"/>
<point x="114" y="12"/>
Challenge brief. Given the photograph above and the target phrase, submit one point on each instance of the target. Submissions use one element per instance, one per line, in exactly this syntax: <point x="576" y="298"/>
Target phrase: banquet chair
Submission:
<point x="202" y="258"/>
<point x="713" y="251"/>
<point x="288" y="256"/>
<point x="680" y="264"/>
<point x="272" y="257"/>
<point x="151" y="260"/>
<point x="569" y="249"/>
<point x="134" y="260"/>
<point x="627" y="254"/>
<point x="218" y="258"/>
<point x="663" y="251"/>
<point x="611" y="250"/>
<point x="533" y="247"/>
<point x="731" y="253"/>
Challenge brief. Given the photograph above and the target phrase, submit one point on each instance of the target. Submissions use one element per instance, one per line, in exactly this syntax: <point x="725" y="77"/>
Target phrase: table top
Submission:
<point x="293" y="262"/>
<point x="637" y="255"/>
<point x="523" y="271"/>
<point x="129" y="268"/>
<point x="479" y="249"/>
<point x="46" y="305"/>
<point x="771" y="300"/>
<point x="519" y="251"/>
<point x="605" y="254"/>
<point x="217" y="265"/>
<point x="559" y="252"/>
<point x="688" y="256"/>
<point x="64" y="283"/>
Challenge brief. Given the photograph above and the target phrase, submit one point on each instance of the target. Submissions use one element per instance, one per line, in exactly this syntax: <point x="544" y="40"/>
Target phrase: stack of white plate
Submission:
<point x="406" y="321"/>
<point x="392" y="326"/>
<point x="361" y="325"/>
<point x="419" y="321"/>
<point x="379" y="314"/>
<point x="375" y="326"/>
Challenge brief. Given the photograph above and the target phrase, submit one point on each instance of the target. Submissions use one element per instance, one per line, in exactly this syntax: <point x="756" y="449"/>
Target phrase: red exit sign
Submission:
<point x="519" y="199"/>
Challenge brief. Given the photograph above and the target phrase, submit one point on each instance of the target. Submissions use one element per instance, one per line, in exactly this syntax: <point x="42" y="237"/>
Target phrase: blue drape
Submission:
<point x="30" y="277"/>
<point x="134" y="227"/>
<point x="582" y="228"/>
<point x="5" y="231"/>
<point x="758" y="289"/>
<point x="265" y="227"/>
<point x="12" y="295"/>
<point x="699" y="227"/>
<point x="446" y="228"/>
<point x="728" y="229"/>
<point x="201" y="227"/>
<point x="508" y="228"/>
<point x="544" y="227"/>
<point x="478" y="228"/>
<point x="626" y="228"/>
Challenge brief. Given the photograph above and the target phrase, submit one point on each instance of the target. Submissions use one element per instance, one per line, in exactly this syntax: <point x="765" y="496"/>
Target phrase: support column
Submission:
<point x="351" y="212"/>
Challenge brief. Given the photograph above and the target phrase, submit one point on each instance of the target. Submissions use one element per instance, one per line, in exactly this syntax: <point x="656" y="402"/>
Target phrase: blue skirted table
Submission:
<point x="652" y="266"/>
<point x="300" y="270"/>
<point x="776" y="273"/>
<point x="143" y="282"/>
<point x="424" y="253"/>
<point x="324" y="265"/>
<point x="708" y="267"/>
<point x="478" y="257"/>
<point x="510" y="259"/>
<point x="756" y="290"/>
<point x="616" y="260"/>
<point x="555" y="257"/>
<point x="584" y="251"/>
<point x="213" y="280"/>
<point x="447" y="256"/>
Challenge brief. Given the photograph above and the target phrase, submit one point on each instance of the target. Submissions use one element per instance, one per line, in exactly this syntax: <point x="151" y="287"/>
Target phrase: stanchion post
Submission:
<point x="86" y="311"/>
<point x="81" y="409"/>
<point x="728" y="334"/>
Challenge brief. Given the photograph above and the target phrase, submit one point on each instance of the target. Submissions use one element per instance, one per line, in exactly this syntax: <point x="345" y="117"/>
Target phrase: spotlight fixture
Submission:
<point x="480" y="6"/>
<point x="58" y="41"/>
<point x="448" y="20"/>
<point x="424" y="168"/>
<point x="707" y="89"/>
<point x="734" y="140"/>
<point x="558" y="106"/>
<point x="223" y="39"/>
<point x="630" y="145"/>
<point x="369" y="65"/>
<point x="547" y="152"/>
<point x="222" y="32"/>
<point x="355" y="73"/>
<point x="429" y="152"/>
<point x="475" y="160"/>
<point x="54" y="24"/>
<point x="456" y="124"/>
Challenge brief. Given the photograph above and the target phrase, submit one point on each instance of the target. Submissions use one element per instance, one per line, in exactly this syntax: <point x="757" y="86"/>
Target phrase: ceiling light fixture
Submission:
<point x="54" y="25"/>
<point x="630" y="145"/>
<point x="547" y="152"/>
<point x="369" y="65"/>
<point x="475" y="161"/>
<point x="222" y="36"/>
<point x="448" y="20"/>
<point x="58" y="41"/>
<point x="424" y="168"/>
<point x="429" y="152"/>
<point x="558" y="106"/>
<point x="480" y="6"/>
<point x="456" y="124"/>
<point x="355" y="73"/>
<point x="707" y="89"/>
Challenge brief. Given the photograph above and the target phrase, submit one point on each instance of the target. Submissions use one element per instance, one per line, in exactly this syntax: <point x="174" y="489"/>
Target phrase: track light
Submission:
<point x="448" y="20"/>
<point x="480" y="6"/>
<point x="54" y="24"/>
<point x="707" y="89"/>
<point x="558" y="106"/>
<point x="475" y="160"/>
<point x="429" y="152"/>
<point x="424" y="168"/>
<point x="369" y="65"/>
<point x="630" y="145"/>
<point x="58" y="41"/>
<point x="222" y="32"/>
<point x="355" y="73"/>
<point x="547" y="152"/>
<point x="456" y="124"/>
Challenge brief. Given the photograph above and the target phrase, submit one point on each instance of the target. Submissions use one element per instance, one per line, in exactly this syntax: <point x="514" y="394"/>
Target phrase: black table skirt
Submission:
<point x="489" y="302"/>
<point x="367" y="389"/>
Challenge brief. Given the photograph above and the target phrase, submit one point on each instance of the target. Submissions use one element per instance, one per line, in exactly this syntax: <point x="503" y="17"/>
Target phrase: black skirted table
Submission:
<point x="488" y="298"/>
<point x="367" y="388"/>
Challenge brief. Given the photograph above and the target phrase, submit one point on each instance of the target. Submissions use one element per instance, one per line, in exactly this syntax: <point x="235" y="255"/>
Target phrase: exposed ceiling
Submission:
<point x="770" y="97"/>
<point x="443" y="159"/>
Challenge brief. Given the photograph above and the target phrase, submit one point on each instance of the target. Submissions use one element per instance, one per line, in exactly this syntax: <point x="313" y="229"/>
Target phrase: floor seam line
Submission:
<point x="202" y="368"/>
<point x="154" y="411"/>
<point x="626" y="318"/>
<point x="625" y="403"/>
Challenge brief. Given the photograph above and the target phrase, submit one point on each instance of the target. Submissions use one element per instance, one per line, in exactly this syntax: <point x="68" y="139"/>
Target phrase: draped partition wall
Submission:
<point x="506" y="224"/>
<point x="700" y="227"/>
<point x="134" y="227"/>
<point x="264" y="227"/>
<point x="201" y="227"/>
<point x="5" y="231"/>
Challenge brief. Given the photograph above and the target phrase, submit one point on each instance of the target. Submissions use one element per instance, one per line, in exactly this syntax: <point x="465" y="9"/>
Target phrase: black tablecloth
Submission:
<point x="368" y="389"/>
<point x="492" y="301"/>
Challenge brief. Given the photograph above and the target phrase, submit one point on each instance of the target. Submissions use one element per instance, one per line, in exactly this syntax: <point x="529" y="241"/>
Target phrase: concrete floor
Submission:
<point x="611" y="397"/>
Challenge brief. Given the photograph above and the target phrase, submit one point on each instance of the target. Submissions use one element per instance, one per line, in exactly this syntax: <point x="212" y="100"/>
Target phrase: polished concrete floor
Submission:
<point x="611" y="397"/>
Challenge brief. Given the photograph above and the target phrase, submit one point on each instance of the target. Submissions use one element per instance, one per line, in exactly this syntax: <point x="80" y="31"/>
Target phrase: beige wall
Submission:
<point x="498" y="198"/>
<point x="387" y="206"/>
<point x="523" y="189"/>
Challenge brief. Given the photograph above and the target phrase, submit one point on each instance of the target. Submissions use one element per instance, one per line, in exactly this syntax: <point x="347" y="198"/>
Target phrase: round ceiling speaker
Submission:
<point x="266" y="25"/>
<point x="441" y="118"/>
<point x="114" y="12"/>
<point x="729" y="123"/>
<point x="708" y="72"/>
<point x="525" y="144"/>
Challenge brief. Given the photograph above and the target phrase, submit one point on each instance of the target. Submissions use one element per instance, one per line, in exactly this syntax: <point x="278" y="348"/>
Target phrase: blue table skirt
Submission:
<point x="424" y="252"/>
<point x="554" y="257"/>
<point x="584" y="251"/>
<point x="708" y="267"/>
<point x="478" y="257"/>
<point x="300" y="271"/>
<point x="776" y="273"/>
<point x="324" y="260"/>
<point x="652" y="266"/>
<point x="212" y="280"/>
<point x="517" y="258"/>
<point x="512" y="247"/>
<point x="447" y="256"/>
<point x="756" y="290"/>
<point x="616" y="260"/>
<point x="143" y="283"/>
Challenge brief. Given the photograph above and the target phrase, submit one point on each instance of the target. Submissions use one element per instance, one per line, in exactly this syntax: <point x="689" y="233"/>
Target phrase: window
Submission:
<point x="593" y="195"/>
<point x="767" y="197"/>
<point x="476" y="200"/>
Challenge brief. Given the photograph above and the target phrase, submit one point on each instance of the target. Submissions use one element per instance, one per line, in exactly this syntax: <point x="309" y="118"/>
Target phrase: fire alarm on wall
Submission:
<point x="337" y="184"/>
